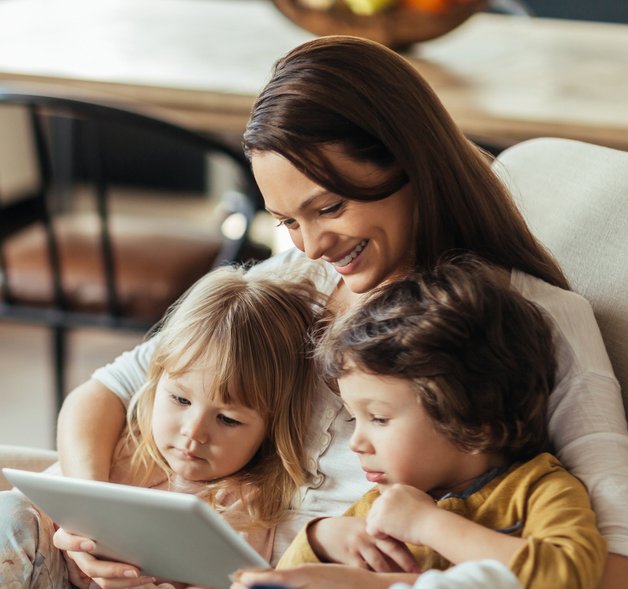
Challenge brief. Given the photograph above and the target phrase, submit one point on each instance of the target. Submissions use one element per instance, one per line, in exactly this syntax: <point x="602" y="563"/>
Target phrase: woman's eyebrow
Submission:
<point x="306" y="203"/>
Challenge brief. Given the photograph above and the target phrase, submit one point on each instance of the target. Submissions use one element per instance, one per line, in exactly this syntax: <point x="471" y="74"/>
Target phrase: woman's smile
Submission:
<point x="345" y="264"/>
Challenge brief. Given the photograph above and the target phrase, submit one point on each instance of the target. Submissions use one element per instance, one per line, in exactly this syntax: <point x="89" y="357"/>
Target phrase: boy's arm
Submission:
<point x="343" y="540"/>
<point x="560" y="544"/>
<point x="412" y="516"/>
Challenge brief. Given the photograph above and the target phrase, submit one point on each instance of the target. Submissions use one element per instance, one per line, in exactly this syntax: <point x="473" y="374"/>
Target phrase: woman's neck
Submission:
<point x="342" y="299"/>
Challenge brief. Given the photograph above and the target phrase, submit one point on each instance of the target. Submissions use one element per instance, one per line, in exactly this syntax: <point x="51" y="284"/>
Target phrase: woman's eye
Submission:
<point x="289" y="223"/>
<point x="228" y="420"/>
<point x="180" y="400"/>
<point x="332" y="209"/>
<point x="350" y="419"/>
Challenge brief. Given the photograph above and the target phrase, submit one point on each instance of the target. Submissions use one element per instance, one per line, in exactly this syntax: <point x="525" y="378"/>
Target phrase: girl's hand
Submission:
<point x="106" y="574"/>
<point x="319" y="576"/>
<point x="399" y="512"/>
<point x="345" y="540"/>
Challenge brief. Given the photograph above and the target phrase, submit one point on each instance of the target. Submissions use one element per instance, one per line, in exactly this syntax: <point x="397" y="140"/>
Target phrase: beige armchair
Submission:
<point x="24" y="458"/>
<point x="575" y="197"/>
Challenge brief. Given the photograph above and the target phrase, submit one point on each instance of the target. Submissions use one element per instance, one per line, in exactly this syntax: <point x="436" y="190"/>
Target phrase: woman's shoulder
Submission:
<point x="551" y="298"/>
<point x="580" y="348"/>
<point x="293" y="264"/>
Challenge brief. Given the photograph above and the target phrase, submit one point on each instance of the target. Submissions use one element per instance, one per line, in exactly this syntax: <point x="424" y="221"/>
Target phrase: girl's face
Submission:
<point x="396" y="441"/>
<point x="367" y="242"/>
<point x="200" y="438"/>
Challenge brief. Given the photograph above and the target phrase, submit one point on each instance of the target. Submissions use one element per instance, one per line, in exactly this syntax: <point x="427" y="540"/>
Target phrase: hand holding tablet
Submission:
<point x="169" y="535"/>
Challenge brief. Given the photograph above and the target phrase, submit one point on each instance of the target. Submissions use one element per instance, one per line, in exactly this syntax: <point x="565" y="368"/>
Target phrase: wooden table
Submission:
<point x="504" y="79"/>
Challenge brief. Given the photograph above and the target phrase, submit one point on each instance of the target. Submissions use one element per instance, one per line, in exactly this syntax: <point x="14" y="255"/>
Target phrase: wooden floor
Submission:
<point x="27" y="412"/>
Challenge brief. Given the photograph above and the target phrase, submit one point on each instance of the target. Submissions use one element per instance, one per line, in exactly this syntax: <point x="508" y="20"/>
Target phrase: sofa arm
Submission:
<point x="25" y="459"/>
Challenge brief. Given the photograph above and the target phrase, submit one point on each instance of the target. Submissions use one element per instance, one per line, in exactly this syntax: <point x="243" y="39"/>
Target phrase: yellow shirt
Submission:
<point x="538" y="501"/>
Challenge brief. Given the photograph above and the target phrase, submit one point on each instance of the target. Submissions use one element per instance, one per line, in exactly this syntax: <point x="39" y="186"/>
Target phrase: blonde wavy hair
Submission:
<point x="254" y="329"/>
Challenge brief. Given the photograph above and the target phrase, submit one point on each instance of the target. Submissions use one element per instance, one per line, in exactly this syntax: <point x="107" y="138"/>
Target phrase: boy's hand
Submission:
<point x="399" y="512"/>
<point x="344" y="540"/>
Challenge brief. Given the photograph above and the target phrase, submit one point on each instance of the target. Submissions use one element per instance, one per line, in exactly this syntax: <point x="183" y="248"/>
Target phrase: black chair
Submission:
<point x="67" y="259"/>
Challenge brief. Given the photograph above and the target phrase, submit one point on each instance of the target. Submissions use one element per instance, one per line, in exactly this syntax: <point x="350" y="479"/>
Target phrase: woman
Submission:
<point x="356" y="156"/>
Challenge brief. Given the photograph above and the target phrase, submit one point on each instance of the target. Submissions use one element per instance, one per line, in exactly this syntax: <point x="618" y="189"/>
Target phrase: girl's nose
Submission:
<point x="195" y="428"/>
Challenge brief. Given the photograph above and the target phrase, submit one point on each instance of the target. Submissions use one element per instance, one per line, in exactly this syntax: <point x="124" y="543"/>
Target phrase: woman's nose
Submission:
<point x="314" y="241"/>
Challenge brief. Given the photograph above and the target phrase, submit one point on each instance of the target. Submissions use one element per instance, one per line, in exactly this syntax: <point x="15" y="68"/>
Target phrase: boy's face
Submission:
<point x="201" y="438"/>
<point x="395" y="439"/>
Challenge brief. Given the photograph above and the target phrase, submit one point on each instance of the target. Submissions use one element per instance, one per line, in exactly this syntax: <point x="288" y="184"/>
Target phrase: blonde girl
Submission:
<point x="223" y="414"/>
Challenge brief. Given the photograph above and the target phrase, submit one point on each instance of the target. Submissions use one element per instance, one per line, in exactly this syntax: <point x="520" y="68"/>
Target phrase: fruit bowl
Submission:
<point x="397" y="27"/>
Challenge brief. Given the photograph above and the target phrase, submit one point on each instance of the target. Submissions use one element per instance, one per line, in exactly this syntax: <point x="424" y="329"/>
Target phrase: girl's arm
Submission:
<point x="93" y="415"/>
<point x="615" y="572"/>
<point x="89" y="426"/>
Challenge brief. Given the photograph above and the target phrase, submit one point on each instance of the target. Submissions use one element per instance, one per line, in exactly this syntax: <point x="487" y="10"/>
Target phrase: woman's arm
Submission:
<point x="89" y="426"/>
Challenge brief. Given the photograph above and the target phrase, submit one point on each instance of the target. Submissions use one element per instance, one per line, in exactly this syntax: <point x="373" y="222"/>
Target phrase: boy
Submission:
<point x="447" y="376"/>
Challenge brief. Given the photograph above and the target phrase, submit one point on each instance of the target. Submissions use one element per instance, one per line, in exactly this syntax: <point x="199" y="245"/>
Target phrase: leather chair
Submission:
<point x="67" y="259"/>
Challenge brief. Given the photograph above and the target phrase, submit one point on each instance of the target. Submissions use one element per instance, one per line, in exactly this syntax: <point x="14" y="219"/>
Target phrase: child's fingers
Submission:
<point x="399" y="554"/>
<point x="66" y="541"/>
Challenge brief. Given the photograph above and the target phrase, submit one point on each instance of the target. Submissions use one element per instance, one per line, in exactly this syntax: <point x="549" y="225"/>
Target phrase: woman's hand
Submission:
<point x="400" y="512"/>
<point x="319" y="576"/>
<point x="345" y="540"/>
<point x="106" y="574"/>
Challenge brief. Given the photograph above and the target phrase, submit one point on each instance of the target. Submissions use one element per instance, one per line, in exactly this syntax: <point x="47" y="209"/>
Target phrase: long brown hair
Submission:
<point x="253" y="330"/>
<point x="366" y="98"/>
<point x="481" y="356"/>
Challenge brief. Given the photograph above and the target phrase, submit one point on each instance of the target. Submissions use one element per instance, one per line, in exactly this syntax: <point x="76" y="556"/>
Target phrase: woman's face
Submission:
<point x="367" y="242"/>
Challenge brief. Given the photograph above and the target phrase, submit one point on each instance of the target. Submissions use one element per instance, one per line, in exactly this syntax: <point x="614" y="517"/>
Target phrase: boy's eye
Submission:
<point x="228" y="420"/>
<point x="180" y="400"/>
<point x="379" y="420"/>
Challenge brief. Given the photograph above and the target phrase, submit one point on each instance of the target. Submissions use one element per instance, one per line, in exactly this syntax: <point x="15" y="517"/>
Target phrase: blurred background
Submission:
<point x="199" y="64"/>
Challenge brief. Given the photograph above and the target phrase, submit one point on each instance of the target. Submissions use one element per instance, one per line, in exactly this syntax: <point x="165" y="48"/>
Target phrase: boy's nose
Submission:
<point x="358" y="443"/>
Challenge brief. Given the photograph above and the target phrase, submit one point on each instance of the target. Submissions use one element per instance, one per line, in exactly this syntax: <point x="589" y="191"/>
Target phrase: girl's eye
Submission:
<point x="180" y="400"/>
<point x="380" y="420"/>
<point x="228" y="420"/>
<point x="332" y="209"/>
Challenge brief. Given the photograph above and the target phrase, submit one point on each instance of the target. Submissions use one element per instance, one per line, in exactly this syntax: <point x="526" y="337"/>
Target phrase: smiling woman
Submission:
<point x="357" y="157"/>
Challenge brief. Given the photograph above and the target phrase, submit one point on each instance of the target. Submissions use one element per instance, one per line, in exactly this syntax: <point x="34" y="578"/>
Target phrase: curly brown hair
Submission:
<point x="481" y="355"/>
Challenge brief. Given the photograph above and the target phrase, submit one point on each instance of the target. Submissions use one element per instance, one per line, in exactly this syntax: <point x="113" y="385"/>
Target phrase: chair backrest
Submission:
<point x="38" y="171"/>
<point x="574" y="197"/>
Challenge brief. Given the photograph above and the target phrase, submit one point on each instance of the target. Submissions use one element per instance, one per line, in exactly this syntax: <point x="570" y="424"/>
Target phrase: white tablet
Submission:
<point x="174" y="536"/>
